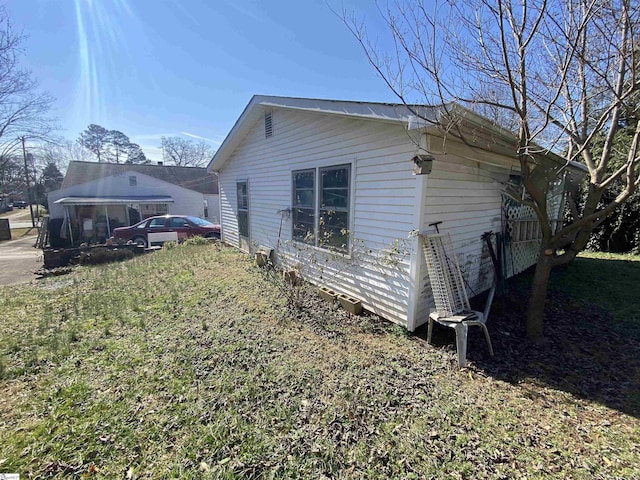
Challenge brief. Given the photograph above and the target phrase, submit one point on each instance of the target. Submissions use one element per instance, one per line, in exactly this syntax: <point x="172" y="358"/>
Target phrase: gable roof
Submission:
<point x="411" y="116"/>
<point x="381" y="112"/>
<point x="192" y="178"/>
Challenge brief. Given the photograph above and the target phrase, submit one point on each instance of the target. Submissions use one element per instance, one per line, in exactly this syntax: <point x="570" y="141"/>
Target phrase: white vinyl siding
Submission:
<point x="381" y="197"/>
<point x="466" y="196"/>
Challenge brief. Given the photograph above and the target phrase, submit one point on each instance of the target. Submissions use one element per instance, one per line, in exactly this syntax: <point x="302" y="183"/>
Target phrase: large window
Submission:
<point x="321" y="215"/>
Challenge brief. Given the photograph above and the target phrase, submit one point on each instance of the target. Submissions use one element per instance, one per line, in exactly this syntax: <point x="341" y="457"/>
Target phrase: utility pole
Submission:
<point x="26" y="177"/>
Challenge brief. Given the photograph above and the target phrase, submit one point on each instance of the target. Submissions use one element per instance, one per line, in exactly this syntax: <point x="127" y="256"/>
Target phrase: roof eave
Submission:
<point x="386" y="113"/>
<point x="232" y="140"/>
<point x="474" y="118"/>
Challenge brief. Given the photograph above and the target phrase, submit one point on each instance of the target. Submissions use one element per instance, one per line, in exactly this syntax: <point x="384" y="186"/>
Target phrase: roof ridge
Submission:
<point x="360" y="102"/>
<point x="137" y="164"/>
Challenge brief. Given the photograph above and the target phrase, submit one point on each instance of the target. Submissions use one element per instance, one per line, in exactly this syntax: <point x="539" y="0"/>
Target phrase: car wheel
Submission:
<point x="212" y="235"/>
<point x="140" y="241"/>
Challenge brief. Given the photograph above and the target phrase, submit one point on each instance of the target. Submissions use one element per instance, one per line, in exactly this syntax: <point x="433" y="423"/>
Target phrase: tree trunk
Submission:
<point x="539" y="286"/>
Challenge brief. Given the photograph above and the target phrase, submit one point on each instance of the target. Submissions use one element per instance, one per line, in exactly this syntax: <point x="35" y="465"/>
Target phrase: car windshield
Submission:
<point x="200" y="222"/>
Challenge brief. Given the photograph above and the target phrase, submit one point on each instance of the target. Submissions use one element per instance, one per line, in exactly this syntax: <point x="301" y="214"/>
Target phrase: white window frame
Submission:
<point x="317" y="209"/>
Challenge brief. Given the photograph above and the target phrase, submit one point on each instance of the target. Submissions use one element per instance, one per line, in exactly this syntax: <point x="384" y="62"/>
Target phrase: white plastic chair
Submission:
<point x="450" y="295"/>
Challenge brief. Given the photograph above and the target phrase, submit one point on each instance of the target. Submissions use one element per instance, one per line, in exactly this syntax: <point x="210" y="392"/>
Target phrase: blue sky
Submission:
<point x="188" y="67"/>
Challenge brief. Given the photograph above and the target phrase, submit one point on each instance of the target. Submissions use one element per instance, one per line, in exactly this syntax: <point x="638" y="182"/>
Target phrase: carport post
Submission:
<point x="66" y="212"/>
<point x="106" y="214"/>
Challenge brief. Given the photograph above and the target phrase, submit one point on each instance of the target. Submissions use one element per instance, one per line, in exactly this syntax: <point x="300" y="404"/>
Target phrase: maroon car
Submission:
<point x="166" y="228"/>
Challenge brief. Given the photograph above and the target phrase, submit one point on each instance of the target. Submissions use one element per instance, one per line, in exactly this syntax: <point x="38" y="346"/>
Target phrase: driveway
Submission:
<point x="19" y="217"/>
<point x="19" y="260"/>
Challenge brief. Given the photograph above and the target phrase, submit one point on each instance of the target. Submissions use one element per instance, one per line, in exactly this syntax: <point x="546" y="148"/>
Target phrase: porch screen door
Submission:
<point x="243" y="215"/>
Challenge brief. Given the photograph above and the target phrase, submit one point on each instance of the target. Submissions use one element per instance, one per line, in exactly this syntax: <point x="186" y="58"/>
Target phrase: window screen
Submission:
<point x="243" y="209"/>
<point x="333" y="211"/>
<point x="304" y="201"/>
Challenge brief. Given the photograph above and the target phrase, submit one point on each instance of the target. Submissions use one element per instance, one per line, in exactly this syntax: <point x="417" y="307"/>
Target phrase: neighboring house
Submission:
<point x="300" y="175"/>
<point x="97" y="197"/>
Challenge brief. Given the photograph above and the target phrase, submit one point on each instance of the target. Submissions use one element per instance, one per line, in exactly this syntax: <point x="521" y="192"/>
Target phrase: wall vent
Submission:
<point x="268" y="125"/>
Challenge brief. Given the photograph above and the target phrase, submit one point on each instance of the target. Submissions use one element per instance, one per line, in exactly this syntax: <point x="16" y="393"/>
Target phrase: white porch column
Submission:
<point x="416" y="270"/>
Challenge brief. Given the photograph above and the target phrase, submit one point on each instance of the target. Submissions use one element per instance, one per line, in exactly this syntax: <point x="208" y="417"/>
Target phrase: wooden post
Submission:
<point x="26" y="177"/>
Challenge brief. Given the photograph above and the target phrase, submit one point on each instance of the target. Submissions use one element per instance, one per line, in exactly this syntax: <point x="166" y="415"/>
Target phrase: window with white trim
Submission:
<point x="320" y="204"/>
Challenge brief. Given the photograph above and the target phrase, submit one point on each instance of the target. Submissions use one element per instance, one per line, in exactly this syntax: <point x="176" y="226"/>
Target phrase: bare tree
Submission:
<point x="61" y="151"/>
<point x="12" y="177"/>
<point x="183" y="152"/>
<point x="561" y="72"/>
<point x="23" y="109"/>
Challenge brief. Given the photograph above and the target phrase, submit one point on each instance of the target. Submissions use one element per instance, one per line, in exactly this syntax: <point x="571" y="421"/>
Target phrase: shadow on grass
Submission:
<point x="586" y="351"/>
<point x="18" y="233"/>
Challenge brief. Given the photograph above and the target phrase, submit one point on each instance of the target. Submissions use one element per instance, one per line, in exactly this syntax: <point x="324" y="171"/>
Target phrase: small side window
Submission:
<point x="133" y="181"/>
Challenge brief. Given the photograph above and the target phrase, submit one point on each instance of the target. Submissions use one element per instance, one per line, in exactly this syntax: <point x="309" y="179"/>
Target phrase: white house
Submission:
<point x="107" y="195"/>
<point x="329" y="185"/>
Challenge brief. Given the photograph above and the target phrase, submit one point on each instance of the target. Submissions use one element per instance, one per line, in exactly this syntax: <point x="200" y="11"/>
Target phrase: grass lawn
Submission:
<point x="23" y="214"/>
<point x="17" y="233"/>
<point x="23" y="232"/>
<point x="606" y="279"/>
<point x="186" y="364"/>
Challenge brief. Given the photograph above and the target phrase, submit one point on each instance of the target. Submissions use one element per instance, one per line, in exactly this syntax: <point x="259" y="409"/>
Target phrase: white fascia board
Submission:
<point x="414" y="117"/>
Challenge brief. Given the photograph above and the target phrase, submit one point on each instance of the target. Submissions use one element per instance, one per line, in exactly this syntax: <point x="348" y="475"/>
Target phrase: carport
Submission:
<point x="93" y="218"/>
